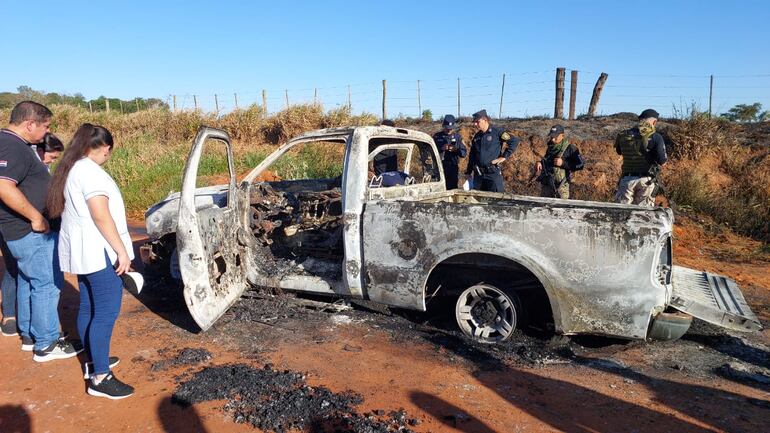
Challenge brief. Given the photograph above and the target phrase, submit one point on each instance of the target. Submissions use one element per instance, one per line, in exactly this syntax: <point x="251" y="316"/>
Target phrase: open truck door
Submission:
<point x="207" y="239"/>
<point x="713" y="298"/>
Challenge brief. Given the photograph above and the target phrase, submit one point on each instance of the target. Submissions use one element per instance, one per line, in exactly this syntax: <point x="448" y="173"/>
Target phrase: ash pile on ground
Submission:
<point x="186" y="356"/>
<point x="279" y="401"/>
<point x="706" y="351"/>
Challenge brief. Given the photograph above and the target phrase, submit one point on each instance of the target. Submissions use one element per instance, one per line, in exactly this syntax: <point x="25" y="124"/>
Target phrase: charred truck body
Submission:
<point x="401" y="239"/>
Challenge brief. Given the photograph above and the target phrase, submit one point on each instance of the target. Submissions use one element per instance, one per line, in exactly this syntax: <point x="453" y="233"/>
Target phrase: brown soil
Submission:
<point x="444" y="382"/>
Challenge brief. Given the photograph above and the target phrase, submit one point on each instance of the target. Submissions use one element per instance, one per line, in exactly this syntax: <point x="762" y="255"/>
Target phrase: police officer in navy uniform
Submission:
<point x="451" y="149"/>
<point x="490" y="147"/>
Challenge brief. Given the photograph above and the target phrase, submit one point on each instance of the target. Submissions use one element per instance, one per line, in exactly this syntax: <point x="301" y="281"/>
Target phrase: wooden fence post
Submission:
<point x="419" y="102"/>
<point x="458" y="97"/>
<point x="286" y="92"/>
<point x="137" y="103"/>
<point x="384" y="98"/>
<point x="502" y="92"/>
<point x="235" y="95"/>
<point x="174" y="103"/>
<point x="711" y="92"/>
<point x="195" y="102"/>
<point x="597" y="94"/>
<point x="264" y="101"/>
<point x="572" y="93"/>
<point x="350" y="104"/>
<point x="315" y="96"/>
<point x="121" y="105"/>
<point x="558" y="109"/>
<point x="107" y="103"/>
<point x="90" y="107"/>
<point x="216" y="103"/>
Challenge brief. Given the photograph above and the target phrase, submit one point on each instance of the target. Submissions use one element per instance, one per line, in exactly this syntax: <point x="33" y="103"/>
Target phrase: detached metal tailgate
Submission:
<point x="713" y="298"/>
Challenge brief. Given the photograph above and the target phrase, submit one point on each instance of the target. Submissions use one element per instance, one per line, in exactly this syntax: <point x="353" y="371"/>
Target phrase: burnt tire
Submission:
<point x="487" y="313"/>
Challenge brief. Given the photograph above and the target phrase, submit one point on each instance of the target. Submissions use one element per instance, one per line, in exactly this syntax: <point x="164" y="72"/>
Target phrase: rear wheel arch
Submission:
<point x="508" y="270"/>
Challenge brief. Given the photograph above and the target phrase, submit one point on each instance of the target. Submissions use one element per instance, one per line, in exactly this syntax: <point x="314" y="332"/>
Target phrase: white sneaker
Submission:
<point x="59" y="349"/>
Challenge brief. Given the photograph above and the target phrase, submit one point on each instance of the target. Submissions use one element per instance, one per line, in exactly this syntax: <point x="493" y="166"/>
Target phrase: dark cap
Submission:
<point x="387" y="122"/>
<point x="481" y="114"/>
<point x="646" y="114"/>
<point x="555" y="131"/>
<point x="449" y="122"/>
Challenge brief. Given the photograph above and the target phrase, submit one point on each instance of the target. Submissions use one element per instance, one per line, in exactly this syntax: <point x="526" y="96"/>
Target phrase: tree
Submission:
<point x="744" y="113"/>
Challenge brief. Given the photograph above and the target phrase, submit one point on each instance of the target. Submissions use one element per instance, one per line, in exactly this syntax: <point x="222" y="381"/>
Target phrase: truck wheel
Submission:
<point x="486" y="313"/>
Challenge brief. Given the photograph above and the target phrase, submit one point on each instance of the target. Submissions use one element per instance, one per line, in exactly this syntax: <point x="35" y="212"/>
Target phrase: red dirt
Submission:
<point x="439" y="387"/>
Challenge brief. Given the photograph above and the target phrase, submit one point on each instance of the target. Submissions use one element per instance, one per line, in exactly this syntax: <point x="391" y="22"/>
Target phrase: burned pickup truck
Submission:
<point x="336" y="223"/>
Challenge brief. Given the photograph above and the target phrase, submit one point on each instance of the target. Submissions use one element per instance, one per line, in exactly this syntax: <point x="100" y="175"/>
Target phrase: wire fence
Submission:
<point x="517" y="94"/>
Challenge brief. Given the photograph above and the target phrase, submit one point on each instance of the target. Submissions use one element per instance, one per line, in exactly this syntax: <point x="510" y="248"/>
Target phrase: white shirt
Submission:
<point x="81" y="245"/>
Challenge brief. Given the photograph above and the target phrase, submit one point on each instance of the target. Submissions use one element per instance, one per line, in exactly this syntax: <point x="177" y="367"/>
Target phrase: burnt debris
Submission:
<point x="186" y="356"/>
<point x="280" y="401"/>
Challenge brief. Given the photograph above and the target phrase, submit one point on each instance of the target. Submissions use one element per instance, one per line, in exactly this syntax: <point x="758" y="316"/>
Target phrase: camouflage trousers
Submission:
<point x="561" y="192"/>
<point x="636" y="190"/>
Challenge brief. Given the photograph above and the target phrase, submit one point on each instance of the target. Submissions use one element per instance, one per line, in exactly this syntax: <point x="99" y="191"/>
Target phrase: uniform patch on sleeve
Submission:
<point x="505" y="136"/>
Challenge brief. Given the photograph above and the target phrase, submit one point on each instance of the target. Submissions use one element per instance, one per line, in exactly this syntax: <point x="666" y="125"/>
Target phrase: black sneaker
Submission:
<point x="27" y="344"/>
<point x="59" y="349"/>
<point x="9" y="329"/>
<point x="110" y="387"/>
<point x="88" y="367"/>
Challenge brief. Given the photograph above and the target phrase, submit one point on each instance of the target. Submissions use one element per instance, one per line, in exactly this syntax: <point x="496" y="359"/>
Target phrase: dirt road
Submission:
<point x="708" y="381"/>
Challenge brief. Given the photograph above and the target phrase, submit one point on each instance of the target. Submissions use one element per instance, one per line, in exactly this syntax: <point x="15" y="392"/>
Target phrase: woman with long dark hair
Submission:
<point x="95" y="245"/>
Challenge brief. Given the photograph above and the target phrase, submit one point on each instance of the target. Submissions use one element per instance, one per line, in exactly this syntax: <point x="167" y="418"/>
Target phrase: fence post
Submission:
<point x="597" y="94"/>
<point x="107" y="103"/>
<point x="419" y="101"/>
<point x="711" y="92"/>
<point x="264" y="101"/>
<point x="572" y="93"/>
<point x="121" y="105"/>
<point x="286" y="93"/>
<point x="458" y="97"/>
<point x="558" y="109"/>
<point x="90" y="107"/>
<point x="235" y="95"/>
<point x="350" y="105"/>
<point x="216" y="103"/>
<point x="137" y="103"/>
<point x="384" y="98"/>
<point x="315" y="96"/>
<point x="174" y="99"/>
<point x="502" y="92"/>
<point x="195" y="102"/>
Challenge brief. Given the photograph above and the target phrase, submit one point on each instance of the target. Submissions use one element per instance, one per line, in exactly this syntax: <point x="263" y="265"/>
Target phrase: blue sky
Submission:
<point x="657" y="54"/>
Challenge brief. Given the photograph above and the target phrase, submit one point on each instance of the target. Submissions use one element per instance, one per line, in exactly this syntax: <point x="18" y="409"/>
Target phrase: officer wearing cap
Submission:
<point x="490" y="147"/>
<point x="644" y="153"/>
<point x="554" y="171"/>
<point x="451" y="149"/>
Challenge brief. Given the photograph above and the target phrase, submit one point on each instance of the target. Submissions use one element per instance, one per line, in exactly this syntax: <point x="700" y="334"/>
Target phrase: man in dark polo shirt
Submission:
<point x="24" y="183"/>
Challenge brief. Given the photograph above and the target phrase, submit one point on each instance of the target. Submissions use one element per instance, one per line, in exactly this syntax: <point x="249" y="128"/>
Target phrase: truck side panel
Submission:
<point x="595" y="263"/>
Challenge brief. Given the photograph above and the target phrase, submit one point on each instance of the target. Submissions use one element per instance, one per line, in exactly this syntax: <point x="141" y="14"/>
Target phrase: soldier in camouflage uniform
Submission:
<point x="644" y="153"/>
<point x="561" y="158"/>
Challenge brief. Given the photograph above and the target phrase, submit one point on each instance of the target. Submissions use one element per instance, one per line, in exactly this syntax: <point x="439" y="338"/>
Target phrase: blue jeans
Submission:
<point x="8" y="286"/>
<point x="101" y="293"/>
<point x="37" y="287"/>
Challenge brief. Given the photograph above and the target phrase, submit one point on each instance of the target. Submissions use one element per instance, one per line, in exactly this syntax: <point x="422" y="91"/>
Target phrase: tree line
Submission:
<point x="26" y="93"/>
